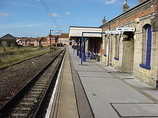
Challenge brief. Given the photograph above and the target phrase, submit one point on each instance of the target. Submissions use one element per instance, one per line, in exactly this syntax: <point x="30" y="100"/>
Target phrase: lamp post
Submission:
<point x="59" y="31"/>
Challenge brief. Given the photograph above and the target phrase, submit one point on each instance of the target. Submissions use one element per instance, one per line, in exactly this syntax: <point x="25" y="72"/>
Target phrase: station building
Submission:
<point x="128" y="42"/>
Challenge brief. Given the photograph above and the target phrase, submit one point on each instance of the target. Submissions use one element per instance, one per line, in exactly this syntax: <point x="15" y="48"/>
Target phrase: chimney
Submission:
<point x="103" y="21"/>
<point x="125" y="7"/>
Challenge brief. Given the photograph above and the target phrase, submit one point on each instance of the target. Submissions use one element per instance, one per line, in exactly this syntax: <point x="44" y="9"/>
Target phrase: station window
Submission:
<point x="146" y="47"/>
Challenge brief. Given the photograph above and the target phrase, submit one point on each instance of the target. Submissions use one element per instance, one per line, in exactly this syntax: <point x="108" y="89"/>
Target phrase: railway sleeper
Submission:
<point x="23" y="108"/>
<point x="20" y="111"/>
<point x="42" y="82"/>
<point x="30" y="101"/>
<point x="37" y="89"/>
<point x="23" y="105"/>
<point x="28" y="98"/>
<point x="19" y="115"/>
<point x="35" y="92"/>
<point x="39" y="85"/>
<point x="27" y="103"/>
<point x="32" y="96"/>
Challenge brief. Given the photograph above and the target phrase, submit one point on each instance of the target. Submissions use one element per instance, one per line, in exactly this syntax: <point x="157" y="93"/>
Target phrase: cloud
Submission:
<point x="54" y="14"/>
<point x="110" y="2"/>
<point x="68" y="13"/>
<point x="2" y="14"/>
<point x="19" y="25"/>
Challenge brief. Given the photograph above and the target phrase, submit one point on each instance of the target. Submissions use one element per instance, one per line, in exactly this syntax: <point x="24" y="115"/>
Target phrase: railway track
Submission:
<point x="27" y="102"/>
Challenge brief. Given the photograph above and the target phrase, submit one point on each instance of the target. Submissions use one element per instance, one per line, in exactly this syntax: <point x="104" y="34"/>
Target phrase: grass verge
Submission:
<point x="10" y="55"/>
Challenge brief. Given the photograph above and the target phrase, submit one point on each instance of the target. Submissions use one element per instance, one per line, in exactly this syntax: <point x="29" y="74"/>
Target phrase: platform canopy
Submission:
<point x="76" y="31"/>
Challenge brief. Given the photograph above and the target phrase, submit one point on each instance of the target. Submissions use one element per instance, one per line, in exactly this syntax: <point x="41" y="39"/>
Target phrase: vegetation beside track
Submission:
<point x="12" y="55"/>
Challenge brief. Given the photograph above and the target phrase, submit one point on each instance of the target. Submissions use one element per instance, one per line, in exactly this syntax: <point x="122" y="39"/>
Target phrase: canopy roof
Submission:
<point x="76" y="31"/>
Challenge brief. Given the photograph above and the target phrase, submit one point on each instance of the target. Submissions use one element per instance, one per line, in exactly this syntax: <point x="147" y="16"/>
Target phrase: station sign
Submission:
<point x="112" y="32"/>
<point x="122" y="29"/>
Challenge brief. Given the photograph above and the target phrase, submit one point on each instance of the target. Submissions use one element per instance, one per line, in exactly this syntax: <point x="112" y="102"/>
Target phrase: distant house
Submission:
<point x="23" y="40"/>
<point x="54" y="39"/>
<point x="41" y="41"/>
<point x="26" y="41"/>
<point x="37" y="41"/>
<point x="8" y="40"/>
<point x="64" y="39"/>
<point x="32" y="41"/>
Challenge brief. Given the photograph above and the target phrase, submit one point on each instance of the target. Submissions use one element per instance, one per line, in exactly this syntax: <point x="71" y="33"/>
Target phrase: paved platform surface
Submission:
<point x="112" y="94"/>
<point x="63" y="100"/>
<point x="67" y="103"/>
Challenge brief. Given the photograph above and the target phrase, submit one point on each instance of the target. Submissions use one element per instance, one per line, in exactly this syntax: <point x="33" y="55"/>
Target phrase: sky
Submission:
<point x="29" y="18"/>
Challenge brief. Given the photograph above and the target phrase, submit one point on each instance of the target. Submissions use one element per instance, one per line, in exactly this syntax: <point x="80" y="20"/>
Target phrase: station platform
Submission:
<point x="94" y="90"/>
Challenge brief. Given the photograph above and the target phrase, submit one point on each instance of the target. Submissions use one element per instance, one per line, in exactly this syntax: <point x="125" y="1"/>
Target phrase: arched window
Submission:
<point x="146" y="47"/>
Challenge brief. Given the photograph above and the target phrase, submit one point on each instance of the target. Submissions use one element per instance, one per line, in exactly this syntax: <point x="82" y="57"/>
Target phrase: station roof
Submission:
<point x="76" y="31"/>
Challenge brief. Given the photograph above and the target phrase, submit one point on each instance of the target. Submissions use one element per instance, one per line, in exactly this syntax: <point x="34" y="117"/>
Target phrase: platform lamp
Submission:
<point x="50" y="40"/>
